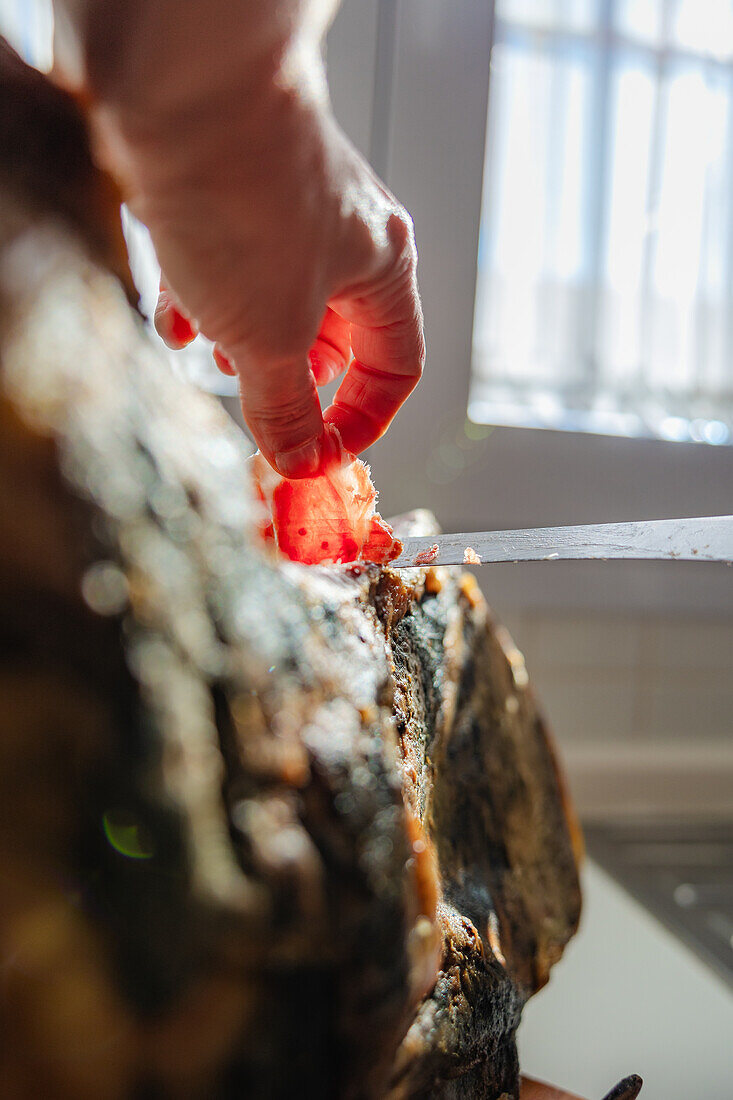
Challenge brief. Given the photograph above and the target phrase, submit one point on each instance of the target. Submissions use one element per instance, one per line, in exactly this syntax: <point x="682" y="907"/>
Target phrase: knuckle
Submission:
<point x="401" y="232"/>
<point x="382" y="255"/>
<point x="162" y="311"/>
<point x="283" y="415"/>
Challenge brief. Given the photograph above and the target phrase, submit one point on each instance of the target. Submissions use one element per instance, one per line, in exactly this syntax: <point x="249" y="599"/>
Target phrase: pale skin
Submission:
<point x="275" y="238"/>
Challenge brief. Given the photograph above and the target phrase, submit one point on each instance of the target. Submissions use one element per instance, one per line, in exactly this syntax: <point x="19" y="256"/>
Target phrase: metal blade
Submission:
<point x="707" y="539"/>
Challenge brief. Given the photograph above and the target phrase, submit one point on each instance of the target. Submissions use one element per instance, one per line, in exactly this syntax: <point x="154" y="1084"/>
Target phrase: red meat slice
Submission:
<point x="329" y="518"/>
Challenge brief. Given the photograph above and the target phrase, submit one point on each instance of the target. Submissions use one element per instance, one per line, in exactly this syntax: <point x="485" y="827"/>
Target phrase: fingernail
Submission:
<point x="303" y="461"/>
<point x="334" y="452"/>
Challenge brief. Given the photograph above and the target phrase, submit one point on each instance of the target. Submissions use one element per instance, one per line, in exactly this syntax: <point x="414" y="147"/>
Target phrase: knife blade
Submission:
<point x="703" y="539"/>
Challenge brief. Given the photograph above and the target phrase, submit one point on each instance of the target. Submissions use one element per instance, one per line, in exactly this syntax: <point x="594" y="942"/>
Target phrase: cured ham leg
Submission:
<point x="265" y="831"/>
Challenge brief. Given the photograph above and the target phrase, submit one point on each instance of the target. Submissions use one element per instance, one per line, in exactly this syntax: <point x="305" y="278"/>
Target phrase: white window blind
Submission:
<point x="605" y="268"/>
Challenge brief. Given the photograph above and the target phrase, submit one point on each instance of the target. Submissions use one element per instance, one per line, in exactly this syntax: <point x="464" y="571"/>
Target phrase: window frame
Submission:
<point x="633" y="406"/>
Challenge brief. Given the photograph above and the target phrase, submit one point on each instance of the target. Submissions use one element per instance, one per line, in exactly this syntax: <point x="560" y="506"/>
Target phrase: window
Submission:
<point x="605" y="281"/>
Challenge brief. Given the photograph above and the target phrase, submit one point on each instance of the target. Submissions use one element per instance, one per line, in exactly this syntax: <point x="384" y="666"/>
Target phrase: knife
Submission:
<point x="706" y="539"/>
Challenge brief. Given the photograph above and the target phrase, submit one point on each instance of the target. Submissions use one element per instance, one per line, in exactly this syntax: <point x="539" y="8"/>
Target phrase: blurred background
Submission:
<point x="569" y="166"/>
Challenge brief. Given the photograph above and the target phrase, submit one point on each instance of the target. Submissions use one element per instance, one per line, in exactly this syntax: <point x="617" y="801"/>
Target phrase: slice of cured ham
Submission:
<point x="329" y="518"/>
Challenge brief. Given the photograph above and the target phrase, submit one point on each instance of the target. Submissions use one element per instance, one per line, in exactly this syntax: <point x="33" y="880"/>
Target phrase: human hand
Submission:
<point x="276" y="239"/>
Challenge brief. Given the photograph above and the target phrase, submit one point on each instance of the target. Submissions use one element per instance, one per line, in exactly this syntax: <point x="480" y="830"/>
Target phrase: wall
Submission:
<point x="628" y="997"/>
<point x="641" y="707"/>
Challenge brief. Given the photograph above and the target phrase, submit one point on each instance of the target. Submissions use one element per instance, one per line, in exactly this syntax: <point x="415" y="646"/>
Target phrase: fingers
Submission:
<point x="331" y="351"/>
<point x="172" y="325"/>
<point x="279" y="402"/>
<point x="281" y="407"/>
<point x="278" y="362"/>
<point x="223" y="363"/>
<point x="388" y="346"/>
<point x="177" y="330"/>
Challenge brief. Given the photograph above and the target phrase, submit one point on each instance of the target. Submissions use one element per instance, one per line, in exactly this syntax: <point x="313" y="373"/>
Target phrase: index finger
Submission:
<point x="172" y="325"/>
<point x="388" y="345"/>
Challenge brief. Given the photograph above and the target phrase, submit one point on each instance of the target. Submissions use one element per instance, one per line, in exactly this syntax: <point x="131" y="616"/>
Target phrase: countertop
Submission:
<point x="629" y="997"/>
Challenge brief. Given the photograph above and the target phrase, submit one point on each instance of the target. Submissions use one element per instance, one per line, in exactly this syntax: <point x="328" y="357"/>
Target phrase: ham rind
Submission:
<point x="329" y="518"/>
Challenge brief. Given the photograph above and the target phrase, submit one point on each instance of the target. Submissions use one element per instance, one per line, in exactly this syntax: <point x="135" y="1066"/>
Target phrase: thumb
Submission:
<point x="281" y="408"/>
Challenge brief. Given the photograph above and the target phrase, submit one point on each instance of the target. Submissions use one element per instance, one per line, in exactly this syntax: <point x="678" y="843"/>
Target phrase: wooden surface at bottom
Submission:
<point x="626" y="1089"/>
<point x="538" y="1090"/>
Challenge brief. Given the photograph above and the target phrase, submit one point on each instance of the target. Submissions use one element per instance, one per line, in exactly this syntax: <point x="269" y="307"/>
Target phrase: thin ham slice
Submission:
<point x="329" y="518"/>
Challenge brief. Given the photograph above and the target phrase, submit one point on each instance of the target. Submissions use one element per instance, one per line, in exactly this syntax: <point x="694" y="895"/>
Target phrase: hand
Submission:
<point x="276" y="239"/>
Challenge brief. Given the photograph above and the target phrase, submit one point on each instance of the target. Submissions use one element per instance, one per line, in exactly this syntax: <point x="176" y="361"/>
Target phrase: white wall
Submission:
<point x="629" y="998"/>
<point x="641" y="707"/>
